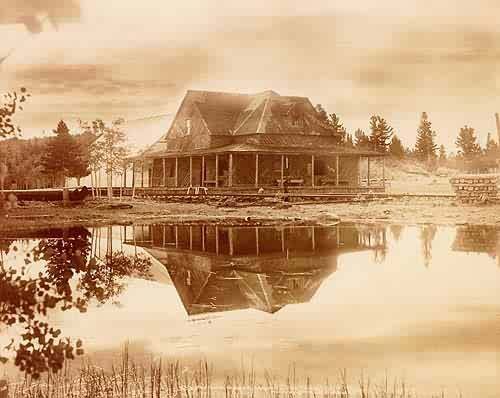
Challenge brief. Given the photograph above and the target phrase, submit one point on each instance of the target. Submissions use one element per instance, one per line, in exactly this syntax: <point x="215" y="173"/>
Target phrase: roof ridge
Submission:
<point x="263" y="113"/>
<point x="219" y="92"/>
<point x="200" y="114"/>
<point x="249" y="115"/>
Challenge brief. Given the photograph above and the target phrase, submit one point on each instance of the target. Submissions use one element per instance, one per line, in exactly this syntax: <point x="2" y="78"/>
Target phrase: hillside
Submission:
<point x="410" y="176"/>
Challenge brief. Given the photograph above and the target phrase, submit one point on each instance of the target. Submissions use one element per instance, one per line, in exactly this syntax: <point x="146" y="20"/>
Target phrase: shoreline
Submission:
<point x="100" y="212"/>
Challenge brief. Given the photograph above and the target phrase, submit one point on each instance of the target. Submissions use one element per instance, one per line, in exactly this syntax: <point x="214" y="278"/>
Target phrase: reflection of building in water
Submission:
<point x="478" y="239"/>
<point x="217" y="268"/>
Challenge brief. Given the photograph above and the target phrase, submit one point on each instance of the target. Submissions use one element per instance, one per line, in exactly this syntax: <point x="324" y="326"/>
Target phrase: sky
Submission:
<point x="84" y="59"/>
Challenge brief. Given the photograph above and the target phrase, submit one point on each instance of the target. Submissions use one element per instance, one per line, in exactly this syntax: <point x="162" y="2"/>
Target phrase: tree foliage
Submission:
<point x="349" y="142"/>
<point x="338" y="128"/>
<point x="71" y="278"/>
<point x="466" y="143"/>
<point x="492" y="147"/>
<point x="425" y="146"/>
<point x="361" y="140"/>
<point x="381" y="134"/>
<point x="12" y="102"/>
<point x="442" y="153"/>
<point x="322" y="115"/>
<point x="333" y="121"/>
<point x="109" y="149"/>
<point x="396" y="147"/>
<point x="22" y="163"/>
<point x="65" y="156"/>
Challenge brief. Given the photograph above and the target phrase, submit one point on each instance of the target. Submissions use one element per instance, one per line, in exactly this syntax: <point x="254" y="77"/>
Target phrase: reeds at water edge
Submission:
<point x="170" y="379"/>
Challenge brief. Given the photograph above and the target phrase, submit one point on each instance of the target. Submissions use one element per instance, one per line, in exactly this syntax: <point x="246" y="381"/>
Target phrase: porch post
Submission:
<point x="216" y="239"/>
<point x="190" y="237"/>
<point x="203" y="170"/>
<point x="190" y="171"/>
<point x="231" y="242"/>
<point x="216" y="170"/>
<point x="283" y="239"/>
<point x="312" y="170"/>
<point x="133" y="174"/>
<point x="142" y="174"/>
<point x="164" y="173"/>
<point x="368" y="174"/>
<point x="256" y="170"/>
<point x="282" y="169"/>
<point x="203" y="238"/>
<point x="125" y="175"/>
<point x="359" y="170"/>
<point x="176" y="176"/>
<point x="313" y="239"/>
<point x="337" y="170"/>
<point x="257" y="249"/>
<point x="230" y="172"/>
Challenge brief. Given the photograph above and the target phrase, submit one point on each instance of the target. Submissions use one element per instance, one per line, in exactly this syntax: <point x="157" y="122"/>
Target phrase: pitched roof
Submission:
<point x="220" y="111"/>
<point x="263" y="121"/>
<point x="265" y="112"/>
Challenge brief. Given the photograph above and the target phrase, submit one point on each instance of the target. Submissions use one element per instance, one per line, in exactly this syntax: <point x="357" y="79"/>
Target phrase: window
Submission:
<point x="188" y="126"/>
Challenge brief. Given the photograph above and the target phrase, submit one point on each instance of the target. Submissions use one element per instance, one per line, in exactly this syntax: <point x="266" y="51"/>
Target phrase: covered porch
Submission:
<point x="255" y="170"/>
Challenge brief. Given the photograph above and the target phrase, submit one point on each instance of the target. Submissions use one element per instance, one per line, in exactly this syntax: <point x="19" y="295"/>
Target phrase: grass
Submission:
<point x="172" y="380"/>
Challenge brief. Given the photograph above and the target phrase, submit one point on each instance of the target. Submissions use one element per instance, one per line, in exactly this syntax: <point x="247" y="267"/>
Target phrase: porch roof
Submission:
<point x="246" y="148"/>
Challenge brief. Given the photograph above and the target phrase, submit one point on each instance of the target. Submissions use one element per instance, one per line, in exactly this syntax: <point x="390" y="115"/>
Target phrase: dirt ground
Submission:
<point x="412" y="177"/>
<point x="99" y="212"/>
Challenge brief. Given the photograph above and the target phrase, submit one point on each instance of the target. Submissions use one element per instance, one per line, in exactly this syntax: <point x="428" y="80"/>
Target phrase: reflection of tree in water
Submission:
<point x="396" y="232"/>
<point x="70" y="278"/>
<point x="427" y="235"/>
<point x="374" y="237"/>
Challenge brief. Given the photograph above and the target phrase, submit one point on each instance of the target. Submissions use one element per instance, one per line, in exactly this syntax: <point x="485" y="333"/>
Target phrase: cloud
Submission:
<point x="129" y="84"/>
<point x="129" y="57"/>
<point x="32" y="13"/>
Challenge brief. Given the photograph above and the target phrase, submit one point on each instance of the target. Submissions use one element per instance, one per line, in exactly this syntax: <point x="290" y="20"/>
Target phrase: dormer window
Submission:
<point x="188" y="126"/>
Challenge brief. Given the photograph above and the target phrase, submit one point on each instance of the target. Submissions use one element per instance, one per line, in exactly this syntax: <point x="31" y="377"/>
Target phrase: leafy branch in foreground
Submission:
<point x="12" y="102"/>
<point x="70" y="278"/>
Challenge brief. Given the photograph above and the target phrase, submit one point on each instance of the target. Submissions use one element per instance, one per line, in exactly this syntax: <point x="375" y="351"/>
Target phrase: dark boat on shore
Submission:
<point x="49" y="194"/>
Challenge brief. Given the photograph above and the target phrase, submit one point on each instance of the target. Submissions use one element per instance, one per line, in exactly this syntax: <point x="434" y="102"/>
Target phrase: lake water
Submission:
<point x="415" y="302"/>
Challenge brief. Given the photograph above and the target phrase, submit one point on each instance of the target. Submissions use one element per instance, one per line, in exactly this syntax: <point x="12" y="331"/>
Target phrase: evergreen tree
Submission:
<point x="62" y="154"/>
<point x="425" y="147"/>
<point x="467" y="143"/>
<point x="442" y="153"/>
<point x="349" y="143"/>
<point x="81" y="167"/>
<point x="381" y="134"/>
<point x="396" y="148"/>
<point x="491" y="146"/>
<point x="361" y="140"/>
<point x="338" y="128"/>
<point x="322" y="115"/>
